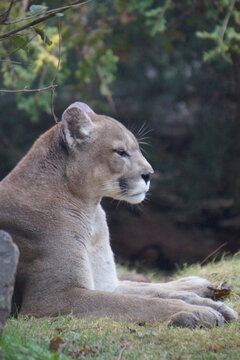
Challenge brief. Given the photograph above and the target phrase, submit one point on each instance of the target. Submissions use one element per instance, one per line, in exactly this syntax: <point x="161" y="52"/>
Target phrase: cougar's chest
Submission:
<point x="101" y="256"/>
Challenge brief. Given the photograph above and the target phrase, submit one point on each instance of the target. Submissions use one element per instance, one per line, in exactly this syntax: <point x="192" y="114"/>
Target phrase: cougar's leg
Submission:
<point x="172" y="290"/>
<point x="90" y="303"/>
<point x="198" y="285"/>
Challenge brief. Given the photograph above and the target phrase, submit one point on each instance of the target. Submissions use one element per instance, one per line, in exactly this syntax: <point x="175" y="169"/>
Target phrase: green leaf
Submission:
<point x="20" y="42"/>
<point x="37" y="9"/>
<point x="40" y="32"/>
<point x="48" y="41"/>
<point x="59" y="14"/>
<point x="43" y="36"/>
<point x="225" y="3"/>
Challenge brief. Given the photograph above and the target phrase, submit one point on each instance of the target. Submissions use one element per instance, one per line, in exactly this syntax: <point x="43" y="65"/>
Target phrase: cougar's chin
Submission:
<point x="136" y="198"/>
<point x="133" y="192"/>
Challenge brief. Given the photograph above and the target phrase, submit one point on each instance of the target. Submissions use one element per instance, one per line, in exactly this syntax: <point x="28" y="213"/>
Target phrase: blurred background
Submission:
<point x="167" y="69"/>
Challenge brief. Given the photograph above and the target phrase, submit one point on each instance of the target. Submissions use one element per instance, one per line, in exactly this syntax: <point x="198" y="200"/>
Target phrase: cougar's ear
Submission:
<point x="76" y="125"/>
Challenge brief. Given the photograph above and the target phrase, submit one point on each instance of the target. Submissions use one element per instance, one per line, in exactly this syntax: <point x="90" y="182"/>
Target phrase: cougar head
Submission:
<point x="104" y="158"/>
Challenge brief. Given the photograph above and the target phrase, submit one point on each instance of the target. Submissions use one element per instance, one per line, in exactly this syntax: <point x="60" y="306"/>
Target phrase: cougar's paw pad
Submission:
<point x="184" y="319"/>
<point x="228" y="313"/>
<point x="206" y="317"/>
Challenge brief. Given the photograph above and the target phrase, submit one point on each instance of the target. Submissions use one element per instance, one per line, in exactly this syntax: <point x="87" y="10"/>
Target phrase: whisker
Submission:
<point x="144" y="137"/>
<point x="141" y="128"/>
<point x="118" y="203"/>
<point x="132" y="127"/>
<point x="144" y="143"/>
<point x="146" y="200"/>
<point x="147" y="131"/>
<point x="144" y="150"/>
<point x="108" y="188"/>
<point x="140" y="206"/>
<point x="148" y="196"/>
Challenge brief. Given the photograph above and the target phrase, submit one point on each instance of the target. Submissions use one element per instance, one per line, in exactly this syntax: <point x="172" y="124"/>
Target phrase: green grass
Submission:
<point x="30" y="338"/>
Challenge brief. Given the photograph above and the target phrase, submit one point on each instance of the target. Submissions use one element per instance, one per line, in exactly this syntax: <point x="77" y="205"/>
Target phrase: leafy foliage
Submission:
<point x="226" y="32"/>
<point x="175" y="65"/>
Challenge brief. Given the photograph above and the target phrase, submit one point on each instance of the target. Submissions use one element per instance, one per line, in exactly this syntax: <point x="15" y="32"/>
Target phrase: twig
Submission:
<point x="108" y="92"/>
<point x="212" y="253"/>
<point x="5" y="15"/>
<point x="47" y="16"/>
<point x="225" y="24"/>
<point x="28" y="90"/>
<point x="121" y="352"/>
<point x="34" y="16"/>
<point x="57" y="70"/>
<point x="25" y="44"/>
<point x="15" y="62"/>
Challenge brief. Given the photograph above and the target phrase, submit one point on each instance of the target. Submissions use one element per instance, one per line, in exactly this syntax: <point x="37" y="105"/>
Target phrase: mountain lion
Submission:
<point x="51" y="205"/>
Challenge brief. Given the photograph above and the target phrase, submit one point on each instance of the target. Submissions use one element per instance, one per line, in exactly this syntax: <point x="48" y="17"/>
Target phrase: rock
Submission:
<point x="9" y="255"/>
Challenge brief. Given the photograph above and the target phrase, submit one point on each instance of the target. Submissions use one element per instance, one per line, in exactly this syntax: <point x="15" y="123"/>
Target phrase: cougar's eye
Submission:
<point x="121" y="152"/>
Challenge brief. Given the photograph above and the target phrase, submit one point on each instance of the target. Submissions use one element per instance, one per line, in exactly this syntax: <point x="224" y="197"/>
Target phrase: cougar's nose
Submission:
<point x="146" y="176"/>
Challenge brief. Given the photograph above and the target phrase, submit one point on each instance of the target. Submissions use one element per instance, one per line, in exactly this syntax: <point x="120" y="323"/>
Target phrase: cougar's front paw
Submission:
<point x="196" y="284"/>
<point x="194" y="299"/>
<point x="228" y="313"/>
<point x="202" y="317"/>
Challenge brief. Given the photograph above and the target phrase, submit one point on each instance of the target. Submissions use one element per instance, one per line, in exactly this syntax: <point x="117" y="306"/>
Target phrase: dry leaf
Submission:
<point x="141" y="323"/>
<point x="55" y="343"/>
<point x="84" y="350"/>
<point x="221" y="293"/>
<point x="132" y="330"/>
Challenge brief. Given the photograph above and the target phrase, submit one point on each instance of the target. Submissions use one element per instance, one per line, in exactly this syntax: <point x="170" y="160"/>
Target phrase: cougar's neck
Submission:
<point x="42" y="166"/>
<point x="42" y="174"/>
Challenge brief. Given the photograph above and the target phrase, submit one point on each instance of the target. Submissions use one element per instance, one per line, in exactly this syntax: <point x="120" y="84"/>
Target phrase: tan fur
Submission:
<point x="50" y="204"/>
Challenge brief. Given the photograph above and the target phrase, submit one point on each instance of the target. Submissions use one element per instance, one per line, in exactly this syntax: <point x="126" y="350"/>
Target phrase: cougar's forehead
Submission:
<point x="113" y="131"/>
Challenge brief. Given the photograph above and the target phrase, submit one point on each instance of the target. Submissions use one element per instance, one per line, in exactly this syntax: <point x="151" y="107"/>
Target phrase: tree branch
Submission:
<point x="212" y="253"/>
<point x="106" y="87"/>
<point x="5" y="15"/>
<point x="225" y="24"/>
<point x="15" y="62"/>
<point x="56" y="72"/>
<point x="48" y="15"/>
<point x="29" y="90"/>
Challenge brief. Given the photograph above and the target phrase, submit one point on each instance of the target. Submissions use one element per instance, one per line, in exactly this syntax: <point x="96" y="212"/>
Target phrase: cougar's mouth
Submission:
<point x="136" y="198"/>
<point x="138" y="194"/>
<point x="129" y="195"/>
